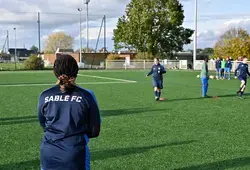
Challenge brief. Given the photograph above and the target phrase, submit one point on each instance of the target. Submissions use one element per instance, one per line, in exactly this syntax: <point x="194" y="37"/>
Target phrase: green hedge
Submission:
<point x="34" y="63"/>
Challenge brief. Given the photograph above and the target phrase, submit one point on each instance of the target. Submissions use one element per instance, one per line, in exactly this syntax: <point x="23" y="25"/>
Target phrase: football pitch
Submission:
<point x="185" y="132"/>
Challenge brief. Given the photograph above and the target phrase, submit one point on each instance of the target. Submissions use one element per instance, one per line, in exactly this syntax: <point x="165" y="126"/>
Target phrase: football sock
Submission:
<point x="241" y="88"/>
<point x="156" y="93"/>
<point x="159" y="94"/>
<point x="241" y="94"/>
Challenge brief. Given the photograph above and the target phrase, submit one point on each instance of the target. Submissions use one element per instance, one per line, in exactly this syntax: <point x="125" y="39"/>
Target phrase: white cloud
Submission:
<point x="232" y="22"/>
<point x="94" y="32"/>
<point x="208" y="37"/>
<point x="56" y="16"/>
<point x="95" y="29"/>
<point x="62" y="15"/>
<point x="243" y="22"/>
<point x="58" y="30"/>
<point x="56" y="13"/>
<point x="44" y="37"/>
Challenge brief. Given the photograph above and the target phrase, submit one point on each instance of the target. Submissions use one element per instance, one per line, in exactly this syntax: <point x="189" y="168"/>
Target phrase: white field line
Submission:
<point x="29" y="85"/>
<point x="27" y="72"/>
<point x="80" y="71"/>
<point x="108" y="78"/>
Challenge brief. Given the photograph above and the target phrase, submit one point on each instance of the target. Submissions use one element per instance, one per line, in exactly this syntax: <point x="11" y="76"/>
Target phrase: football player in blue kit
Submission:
<point x="241" y="73"/>
<point x="228" y="69"/>
<point x="157" y="72"/>
<point x="69" y="116"/>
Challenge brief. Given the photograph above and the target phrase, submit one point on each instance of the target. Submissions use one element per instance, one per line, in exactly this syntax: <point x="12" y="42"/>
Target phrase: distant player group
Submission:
<point x="223" y="68"/>
<point x="223" y="71"/>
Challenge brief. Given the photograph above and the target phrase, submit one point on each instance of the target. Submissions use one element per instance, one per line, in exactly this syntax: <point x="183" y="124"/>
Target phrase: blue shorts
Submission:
<point x="243" y="79"/>
<point x="158" y="83"/>
<point x="227" y="70"/>
<point x="204" y="81"/>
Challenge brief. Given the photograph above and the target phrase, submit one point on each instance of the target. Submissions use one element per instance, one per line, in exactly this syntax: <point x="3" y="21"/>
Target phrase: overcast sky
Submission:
<point x="215" y="16"/>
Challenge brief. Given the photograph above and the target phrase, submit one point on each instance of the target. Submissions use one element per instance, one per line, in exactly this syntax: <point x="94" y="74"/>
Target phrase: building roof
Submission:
<point x="59" y="50"/>
<point x="21" y="52"/>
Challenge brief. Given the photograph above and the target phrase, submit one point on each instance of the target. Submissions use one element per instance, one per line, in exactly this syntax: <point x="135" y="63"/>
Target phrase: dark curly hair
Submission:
<point x="66" y="70"/>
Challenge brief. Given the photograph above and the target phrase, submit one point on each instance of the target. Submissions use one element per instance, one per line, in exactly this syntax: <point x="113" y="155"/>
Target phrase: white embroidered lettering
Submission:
<point x="51" y="99"/>
<point x="56" y="98"/>
<point x="73" y="98"/>
<point x="61" y="99"/>
<point x="47" y="99"/>
<point x="79" y="99"/>
<point x="66" y="98"/>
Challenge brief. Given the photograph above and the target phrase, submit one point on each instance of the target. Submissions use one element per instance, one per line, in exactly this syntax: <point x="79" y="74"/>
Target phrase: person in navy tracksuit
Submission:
<point x="218" y="68"/>
<point x="157" y="71"/>
<point x="228" y="69"/>
<point x="242" y="72"/>
<point x="69" y="116"/>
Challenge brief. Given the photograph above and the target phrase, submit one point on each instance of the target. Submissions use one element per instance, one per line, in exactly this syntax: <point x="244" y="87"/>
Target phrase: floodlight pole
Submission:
<point x="80" y="10"/>
<point x="87" y="24"/>
<point x="195" y="34"/>
<point x="237" y="29"/>
<point x="39" y="33"/>
<point x="104" y="20"/>
<point x="15" y="48"/>
<point x="8" y="41"/>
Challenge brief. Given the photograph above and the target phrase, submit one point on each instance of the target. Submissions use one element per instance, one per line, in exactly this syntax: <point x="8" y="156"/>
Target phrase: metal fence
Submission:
<point x="144" y="64"/>
<point x="211" y="65"/>
<point x="6" y="65"/>
<point x="10" y="66"/>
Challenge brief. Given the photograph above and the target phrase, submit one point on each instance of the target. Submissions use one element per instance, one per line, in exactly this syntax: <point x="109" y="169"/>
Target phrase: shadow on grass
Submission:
<point x="97" y="155"/>
<point x="25" y="83"/>
<point x="18" y="120"/>
<point x="105" y="113"/>
<point x="26" y="165"/>
<point x="120" y="112"/>
<point x="113" y="153"/>
<point x="198" y="98"/>
<point x="220" y="165"/>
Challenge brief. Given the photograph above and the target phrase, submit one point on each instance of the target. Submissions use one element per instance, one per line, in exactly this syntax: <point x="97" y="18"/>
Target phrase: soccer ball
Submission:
<point x="198" y="76"/>
<point x="211" y="77"/>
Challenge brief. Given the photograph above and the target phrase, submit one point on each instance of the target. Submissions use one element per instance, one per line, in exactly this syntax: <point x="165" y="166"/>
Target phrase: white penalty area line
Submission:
<point x="108" y="78"/>
<point x="90" y="83"/>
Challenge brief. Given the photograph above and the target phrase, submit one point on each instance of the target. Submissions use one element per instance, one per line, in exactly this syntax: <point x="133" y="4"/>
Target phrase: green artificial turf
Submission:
<point x="11" y="66"/>
<point x="185" y="132"/>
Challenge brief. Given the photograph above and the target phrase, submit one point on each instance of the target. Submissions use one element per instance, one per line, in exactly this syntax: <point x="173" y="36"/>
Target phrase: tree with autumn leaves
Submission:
<point x="58" y="40"/>
<point x="233" y="43"/>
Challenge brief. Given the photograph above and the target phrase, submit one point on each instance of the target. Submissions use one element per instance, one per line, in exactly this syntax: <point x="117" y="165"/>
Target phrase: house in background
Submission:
<point x="64" y="51"/>
<point x="22" y="54"/>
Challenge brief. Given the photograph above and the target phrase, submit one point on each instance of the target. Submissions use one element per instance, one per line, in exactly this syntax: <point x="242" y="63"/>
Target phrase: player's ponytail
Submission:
<point x="66" y="70"/>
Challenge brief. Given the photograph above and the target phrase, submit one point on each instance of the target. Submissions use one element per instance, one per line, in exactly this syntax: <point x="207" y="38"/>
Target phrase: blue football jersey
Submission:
<point x="157" y="71"/>
<point x="69" y="119"/>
